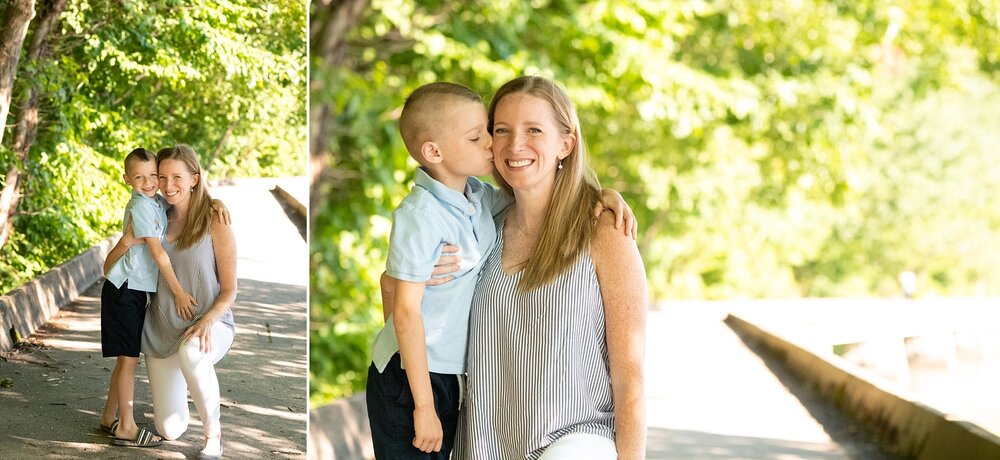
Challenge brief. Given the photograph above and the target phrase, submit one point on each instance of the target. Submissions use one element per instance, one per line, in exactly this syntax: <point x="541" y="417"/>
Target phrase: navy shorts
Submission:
<point x="390" y="412"/>
<point x="123" y="311"/>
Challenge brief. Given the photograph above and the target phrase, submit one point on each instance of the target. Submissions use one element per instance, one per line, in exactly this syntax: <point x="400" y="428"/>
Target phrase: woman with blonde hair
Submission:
<point x="182" y="345"/>
<point x="557" y="329"/>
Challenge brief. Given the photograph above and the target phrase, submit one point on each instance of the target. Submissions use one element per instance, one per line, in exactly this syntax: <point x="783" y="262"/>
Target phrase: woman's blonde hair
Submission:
<point x="569" y="221"/>
<point x="199" y="216"/>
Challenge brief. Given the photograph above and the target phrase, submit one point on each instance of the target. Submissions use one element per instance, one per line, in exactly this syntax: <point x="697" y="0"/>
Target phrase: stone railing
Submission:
<point x="31" y="305"/>
<point x="904" y="426"/>
<point x="340" y="431"/>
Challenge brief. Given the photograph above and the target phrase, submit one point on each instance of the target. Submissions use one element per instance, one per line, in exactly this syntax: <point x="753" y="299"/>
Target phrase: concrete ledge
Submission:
<point x="903" y="425"/>
<point x="295" y="205"/>
<point x="340" y="430"/>
<point x="32" y="304"/>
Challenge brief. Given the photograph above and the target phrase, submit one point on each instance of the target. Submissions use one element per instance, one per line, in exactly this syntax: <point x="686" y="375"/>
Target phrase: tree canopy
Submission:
<point x="226" y="77"/>
<point x="791" y="148"/>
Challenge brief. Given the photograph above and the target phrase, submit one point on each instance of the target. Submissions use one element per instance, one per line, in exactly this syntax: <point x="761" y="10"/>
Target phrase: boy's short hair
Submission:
<point x="139" y="154"/>
<point x="419" y="118"/>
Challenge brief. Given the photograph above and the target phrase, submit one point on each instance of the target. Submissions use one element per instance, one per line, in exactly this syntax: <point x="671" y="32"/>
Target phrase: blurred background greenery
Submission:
<point x="97" y="79"/>
<point x="785" y="148"/>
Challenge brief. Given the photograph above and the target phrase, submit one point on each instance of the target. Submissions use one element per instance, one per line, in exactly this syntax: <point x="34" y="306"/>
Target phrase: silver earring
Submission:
<point x="560" y="164"/>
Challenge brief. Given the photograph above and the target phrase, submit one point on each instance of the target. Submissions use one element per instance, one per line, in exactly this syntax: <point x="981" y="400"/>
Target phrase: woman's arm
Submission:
<point x="224" y="243"/>
<point x="623" y="286"/>
<point x="448" y="263"/>
<point x="124" y="243"/>
<point x="388" y="287"/>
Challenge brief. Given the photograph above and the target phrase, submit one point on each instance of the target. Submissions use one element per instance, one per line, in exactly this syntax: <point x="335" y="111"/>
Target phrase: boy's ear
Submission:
<point x="430" y="152"/>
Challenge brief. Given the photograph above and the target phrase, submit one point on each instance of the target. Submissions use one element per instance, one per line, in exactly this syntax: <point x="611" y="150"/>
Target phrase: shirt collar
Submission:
<point x="443" y="193"/>
<point x="137" y="194"/>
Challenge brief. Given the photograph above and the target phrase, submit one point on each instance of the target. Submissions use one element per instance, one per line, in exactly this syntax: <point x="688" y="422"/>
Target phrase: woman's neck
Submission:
<point x="529" y="211"/>
<point x="180" y="212"/>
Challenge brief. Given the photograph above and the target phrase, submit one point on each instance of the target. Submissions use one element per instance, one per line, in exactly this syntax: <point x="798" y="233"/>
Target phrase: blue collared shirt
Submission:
<point x="430" y="216"/>
<point x="149" y="219"/>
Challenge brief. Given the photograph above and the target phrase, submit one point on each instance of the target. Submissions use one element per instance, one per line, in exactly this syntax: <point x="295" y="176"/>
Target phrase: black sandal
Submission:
<point x="110" y="429"/>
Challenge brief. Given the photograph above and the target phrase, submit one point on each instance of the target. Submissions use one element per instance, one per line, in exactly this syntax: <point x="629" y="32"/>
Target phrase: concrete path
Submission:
<point x="710" y="396"/>
<point x="58" y="384"/>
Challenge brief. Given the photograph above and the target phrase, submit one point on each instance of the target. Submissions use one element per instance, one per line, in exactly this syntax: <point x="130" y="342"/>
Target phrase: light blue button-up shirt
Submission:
<point x="149" y="219"/>
<point x="430" y="216"/>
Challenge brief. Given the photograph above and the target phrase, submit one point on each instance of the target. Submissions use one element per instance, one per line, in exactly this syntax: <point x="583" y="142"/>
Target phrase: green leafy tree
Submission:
<point x="228" y="78"/>
<point x="793" y="148"/>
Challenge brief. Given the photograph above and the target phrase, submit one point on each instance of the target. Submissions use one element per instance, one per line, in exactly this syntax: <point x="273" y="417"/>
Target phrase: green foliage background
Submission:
<point x="151" y="73"/>
<point x="779" y="149"/>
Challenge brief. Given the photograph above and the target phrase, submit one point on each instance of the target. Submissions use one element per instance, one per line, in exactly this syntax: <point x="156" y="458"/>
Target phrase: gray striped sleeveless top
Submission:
<point x="195" y="269"/>
<point x="538" y="362"/>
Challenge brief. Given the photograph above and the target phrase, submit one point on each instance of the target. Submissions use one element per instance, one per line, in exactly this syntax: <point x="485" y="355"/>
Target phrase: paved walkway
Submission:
<point x="710" y="396"/>
<point x="59" y="384"/>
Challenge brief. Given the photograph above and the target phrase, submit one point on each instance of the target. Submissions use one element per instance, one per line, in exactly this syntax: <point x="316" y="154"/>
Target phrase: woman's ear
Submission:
<point x="430" y="152"/>
<point x="568" y="146"/>
<point x="197" y="178"/>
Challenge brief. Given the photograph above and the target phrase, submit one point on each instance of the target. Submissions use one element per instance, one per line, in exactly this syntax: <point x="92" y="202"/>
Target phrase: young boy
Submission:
<point x="415" y="382"/>
<point x="443" y="126"/>
<point x="124" y="296"/>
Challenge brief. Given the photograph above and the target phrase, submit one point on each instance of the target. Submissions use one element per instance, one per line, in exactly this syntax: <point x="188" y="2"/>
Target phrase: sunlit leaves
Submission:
<point x="227" y="77"/>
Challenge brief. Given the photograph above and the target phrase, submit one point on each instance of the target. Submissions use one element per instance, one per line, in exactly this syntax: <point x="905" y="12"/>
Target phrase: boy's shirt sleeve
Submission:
<point x="414" y="244"/>
<point x="146" y="221"/>
<point x="495" y="199"/>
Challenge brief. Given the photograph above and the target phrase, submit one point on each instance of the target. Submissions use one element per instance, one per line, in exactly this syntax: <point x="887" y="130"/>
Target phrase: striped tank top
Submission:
<point x="537" y="363"/>
<point x="195" y="268"/>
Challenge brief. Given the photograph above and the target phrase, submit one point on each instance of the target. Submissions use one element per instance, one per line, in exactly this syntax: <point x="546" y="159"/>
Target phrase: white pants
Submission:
<point x="170" y="379"/>
<point x="581" y="445"/>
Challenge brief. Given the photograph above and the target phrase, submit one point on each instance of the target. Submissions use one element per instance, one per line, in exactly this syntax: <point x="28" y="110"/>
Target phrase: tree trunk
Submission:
<point x="328" y="29"/>
<point x="12" y="32"/>
<point x="27" y="121"/>
<point x="222" y="143"/>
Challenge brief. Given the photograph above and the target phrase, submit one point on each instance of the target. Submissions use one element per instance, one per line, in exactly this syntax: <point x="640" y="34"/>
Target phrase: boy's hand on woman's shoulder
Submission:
<point x="612" y="201"/>
<point x="221" y="211"/>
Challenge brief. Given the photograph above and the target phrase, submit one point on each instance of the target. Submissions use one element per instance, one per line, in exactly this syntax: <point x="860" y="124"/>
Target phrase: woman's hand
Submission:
<point x="612" y="201"/>
<point x="448" y="263"/>
<point x="203" y="330"/>
<point x="128" y="237"/>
